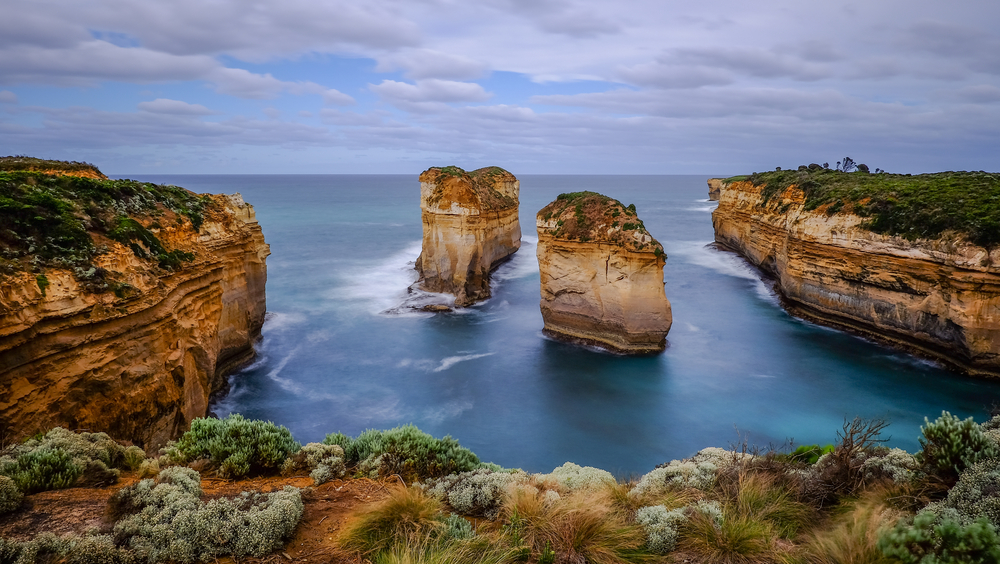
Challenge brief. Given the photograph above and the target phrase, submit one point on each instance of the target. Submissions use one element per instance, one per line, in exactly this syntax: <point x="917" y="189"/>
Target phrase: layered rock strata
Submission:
<point x="715" y="188"/>
<point x="601" y="275"/>
<point x="143" y="361"/>
<point x="939" y="297"/>
<point x="470" y="227"/>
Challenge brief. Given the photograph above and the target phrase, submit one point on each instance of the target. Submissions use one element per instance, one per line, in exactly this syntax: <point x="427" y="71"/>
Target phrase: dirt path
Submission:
<point x="327" y="507"/>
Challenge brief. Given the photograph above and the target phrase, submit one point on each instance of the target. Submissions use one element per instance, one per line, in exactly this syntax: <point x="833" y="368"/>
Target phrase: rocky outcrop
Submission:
<point x="470" y="227"/>
<point x="601" y="275"/>
<point x="939" y="297"/>
<point x="715" y="188"/>
<point x="143" y="361"/>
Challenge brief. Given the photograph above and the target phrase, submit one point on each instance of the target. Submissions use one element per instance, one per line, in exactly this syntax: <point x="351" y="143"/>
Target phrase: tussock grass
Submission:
<point x="765" y="497"/>
<point x="408" y="516"/>
<point x="852" y="536"/>
<point x="478" y="550"/>
<point x="739" y="539"/>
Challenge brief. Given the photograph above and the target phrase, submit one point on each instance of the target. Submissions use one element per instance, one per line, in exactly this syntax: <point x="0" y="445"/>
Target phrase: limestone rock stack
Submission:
<point x="939" y="297"/>
<point x="142" y="361"/>
<point x="470" y="226"/>
<point x="601" y="275"/>
<point x="715" y="188"/>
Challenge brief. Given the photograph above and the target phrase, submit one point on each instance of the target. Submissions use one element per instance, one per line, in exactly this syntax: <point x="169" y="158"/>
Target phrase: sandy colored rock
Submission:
<point x="601" y="275"/>
<point x="715" y="186"/>
<point x="470" y="226"/>
<point x="939" y="297"/>
<point x="144" y="365"/>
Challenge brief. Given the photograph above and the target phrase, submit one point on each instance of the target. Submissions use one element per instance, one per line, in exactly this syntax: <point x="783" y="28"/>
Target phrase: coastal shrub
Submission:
<point x="479" y="492"/>
<point x="324" y="462"/>
<point x="571" y="477"/>
<point x="950" y="445"/>
<point x="842" y="472"/>
<point x="82" y="447"/>
<point x="408" y="452"/>
<point x="42" y="469"/>
<point x="930" y="539"/>
<point x="808" y="454"/>
<point x="10" y="495"/>
<point x="236" y="445"/>
<point x="991" y="429"/>
<point x="457" y="527"/>
<point x="164" y="520"/>
<point x="71" y="549"/>
<point x="697" y="472"/>
<point x="407" y="515"/>
<point x="894" y="464"/>
<point x="976" y="494"/>
<point x="133" y="457"/>
<point x="660" y="526"/>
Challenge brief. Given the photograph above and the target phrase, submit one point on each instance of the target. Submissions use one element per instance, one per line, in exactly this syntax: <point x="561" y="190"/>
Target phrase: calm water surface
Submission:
<point x="338" y="355"/>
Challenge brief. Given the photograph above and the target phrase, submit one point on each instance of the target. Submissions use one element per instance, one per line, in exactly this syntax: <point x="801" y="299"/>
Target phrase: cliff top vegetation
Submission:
<point x="910" y="206"/>
<point x="486" y="183"/>
<point x="62" y="221"/>
<point x="852" y="501"/>
<point x="72" y="168"/>
<point x="589" y="216"/>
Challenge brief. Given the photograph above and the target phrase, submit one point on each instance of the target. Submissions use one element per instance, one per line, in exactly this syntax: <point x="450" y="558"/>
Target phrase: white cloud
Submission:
<point x="175" y="107"/>
<point x="425" y="63"/>
<point x="430" y="90"/>
<point x="333" y="97"/>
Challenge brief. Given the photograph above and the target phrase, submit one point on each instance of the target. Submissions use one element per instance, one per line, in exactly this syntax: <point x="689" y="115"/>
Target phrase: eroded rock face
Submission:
<point x="715" y="188"/>
<point x="470" y="227"/>
<point x="938" y="297"/>
<point x="601" y="275"/>
<point x="144" y="365"/>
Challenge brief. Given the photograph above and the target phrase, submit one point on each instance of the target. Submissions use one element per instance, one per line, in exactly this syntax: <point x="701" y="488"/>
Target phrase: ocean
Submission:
<point x="342" y="351"/>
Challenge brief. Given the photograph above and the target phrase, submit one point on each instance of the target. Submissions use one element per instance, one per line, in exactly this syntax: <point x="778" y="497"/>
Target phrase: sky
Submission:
<point x="714" y="87"/>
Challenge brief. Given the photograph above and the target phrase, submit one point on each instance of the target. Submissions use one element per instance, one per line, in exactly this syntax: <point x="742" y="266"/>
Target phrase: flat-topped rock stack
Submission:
<point x="470" y="226"/>
<point x="601" y="275"/>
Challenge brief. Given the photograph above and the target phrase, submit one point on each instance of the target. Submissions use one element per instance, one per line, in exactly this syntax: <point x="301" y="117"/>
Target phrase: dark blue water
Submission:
<point x="332" y="359"/>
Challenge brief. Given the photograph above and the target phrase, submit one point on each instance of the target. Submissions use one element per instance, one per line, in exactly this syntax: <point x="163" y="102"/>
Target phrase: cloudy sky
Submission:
<point x="536" y="86"/>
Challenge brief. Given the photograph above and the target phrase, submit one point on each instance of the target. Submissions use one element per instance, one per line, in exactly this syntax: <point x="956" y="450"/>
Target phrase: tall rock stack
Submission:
<point x="470" y="227"/>
<point x="601" y="275"/>
<point x="715" y="188"/>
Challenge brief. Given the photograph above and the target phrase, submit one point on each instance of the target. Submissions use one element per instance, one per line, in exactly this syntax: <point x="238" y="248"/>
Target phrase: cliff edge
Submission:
<point x="715" y="188"/>
<point x="470" y="226"/>
<point x="123" y="304"/>
<point x="601" y="275"/>
<point x="912" y="260"/>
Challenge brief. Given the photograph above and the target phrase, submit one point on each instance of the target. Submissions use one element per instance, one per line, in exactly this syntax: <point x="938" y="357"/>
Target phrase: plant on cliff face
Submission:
<point x="236" y="445"/>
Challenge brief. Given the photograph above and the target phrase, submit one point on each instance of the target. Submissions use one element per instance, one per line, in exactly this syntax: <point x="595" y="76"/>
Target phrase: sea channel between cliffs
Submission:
<point x="338" y="355"/>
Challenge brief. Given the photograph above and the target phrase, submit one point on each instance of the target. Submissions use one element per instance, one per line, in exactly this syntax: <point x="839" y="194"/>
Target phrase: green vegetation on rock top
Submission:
<point x="52" y="221"/>
<point x="589" y="216"/>
<point x="917" y="206"/>
<point x="11" y="163"/>
<point x="483" y="182"/>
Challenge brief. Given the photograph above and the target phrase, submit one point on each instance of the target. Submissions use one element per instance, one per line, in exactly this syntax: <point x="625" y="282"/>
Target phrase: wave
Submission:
<point x="450" y="361"/>
<point x="728" y="263"/>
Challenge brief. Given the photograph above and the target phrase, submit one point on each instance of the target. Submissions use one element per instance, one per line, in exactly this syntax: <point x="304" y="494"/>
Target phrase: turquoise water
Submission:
<point x="338" y="355"/>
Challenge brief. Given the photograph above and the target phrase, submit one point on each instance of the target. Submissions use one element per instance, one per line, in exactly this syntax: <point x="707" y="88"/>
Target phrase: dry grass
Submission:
<point x="408" y="516"/>
<point x="740" y="539"/>
<point x="852" y="536"/>
<point x="765" y="497"/>
<point x="582" y="527"/>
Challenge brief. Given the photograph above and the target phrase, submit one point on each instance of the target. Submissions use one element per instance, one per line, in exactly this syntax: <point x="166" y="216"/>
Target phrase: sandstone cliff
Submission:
<point x="938" y="295"/>
<point x="115" y="332"/>
<point x="601" y="275"/>
<point x="470" y="226"/>
<point x="715" y="188"/>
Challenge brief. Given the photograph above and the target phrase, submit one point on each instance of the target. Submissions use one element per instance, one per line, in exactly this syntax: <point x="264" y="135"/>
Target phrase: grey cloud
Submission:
<point x="424" y="63"/>
<point x="661" y="75"/>
<point x="758" y="63"/>
<point x="7" y="97"/>
<point x="176" y="107"/>
<point x="816" y="51"/>
<point x="563" y="17"/>
<point x="978" y="94"/>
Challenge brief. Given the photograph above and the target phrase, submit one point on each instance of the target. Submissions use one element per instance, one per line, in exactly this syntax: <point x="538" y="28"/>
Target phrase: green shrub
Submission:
<point x="42" y="469"/>
<point x="10" y="495"/>
<point x="133" y="457"/>
<point x="951" y="445"/>
<point x="236" y="445"/>
<point x="324" y="462"/>
<point x="809" y="454"/>
<point x="408" y="452"/>
<point x="458" y="527"/>
<point x="930" y="540"/>
<point x="166" y="521"/>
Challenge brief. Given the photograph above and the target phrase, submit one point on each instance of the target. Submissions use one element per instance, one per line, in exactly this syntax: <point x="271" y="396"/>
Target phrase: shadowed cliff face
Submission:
<point x="601" y="275"/>
<point x="142" y="364"/>
<point x="939" y="297"/>
<point x="470" y="226"/>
